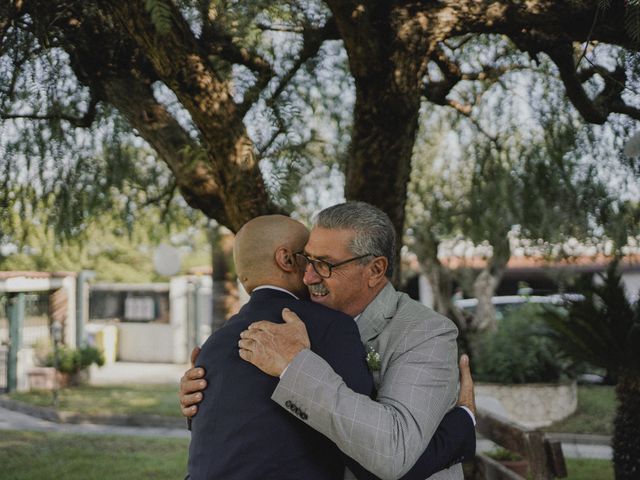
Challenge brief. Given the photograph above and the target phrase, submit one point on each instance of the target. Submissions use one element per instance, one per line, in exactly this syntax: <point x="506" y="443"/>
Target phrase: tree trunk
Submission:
<point x="378" y="168"/>
<point x="387" y="60"/>
<point x="483" y="289"/>
<point x="441" y="282"/>
<point x="626" y="436"/>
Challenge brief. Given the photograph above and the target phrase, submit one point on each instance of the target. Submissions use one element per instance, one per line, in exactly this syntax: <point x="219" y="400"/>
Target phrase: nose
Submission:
<point x="310" y="276"/>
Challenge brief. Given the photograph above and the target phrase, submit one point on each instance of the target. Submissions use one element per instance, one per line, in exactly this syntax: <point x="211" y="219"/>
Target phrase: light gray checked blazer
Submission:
<point x="417" y="384"/>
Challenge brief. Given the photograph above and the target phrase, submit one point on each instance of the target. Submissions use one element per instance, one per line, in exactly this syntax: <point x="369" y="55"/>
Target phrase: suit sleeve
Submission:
<point x="386" y="436"/>
<point x="342" y="349"/>
<point x="453" y="442"/>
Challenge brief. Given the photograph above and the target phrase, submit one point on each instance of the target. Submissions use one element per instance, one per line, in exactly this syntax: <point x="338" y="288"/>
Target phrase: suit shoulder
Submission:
<point x="421" y="316"/>
<point x="320" y="312"/>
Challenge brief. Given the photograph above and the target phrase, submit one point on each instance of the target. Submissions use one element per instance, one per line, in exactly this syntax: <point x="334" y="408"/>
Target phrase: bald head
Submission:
<point x="263" y="252"/>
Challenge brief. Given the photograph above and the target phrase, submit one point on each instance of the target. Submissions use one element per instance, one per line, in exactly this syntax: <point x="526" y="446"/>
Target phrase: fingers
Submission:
<point x="189" y="411"/>
<point x="191" y="400"/>
<point x="255" y="335"/>
<point x="191" y="386"/>
<point x="465" y="370"/>
<point x="467" y="395"/>
<point x="288" y="316"/>
<point x="194" y="355"/>
<point x="188" y="387"/>
<point x="246" y="344"/>
<point x="262" y="325"/>
<point x="195" y="373"/>
<point x="245" y="355"/>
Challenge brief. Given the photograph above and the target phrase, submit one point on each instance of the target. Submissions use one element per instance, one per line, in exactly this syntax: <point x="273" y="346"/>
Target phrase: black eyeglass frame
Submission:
<point x="329" y="265"/>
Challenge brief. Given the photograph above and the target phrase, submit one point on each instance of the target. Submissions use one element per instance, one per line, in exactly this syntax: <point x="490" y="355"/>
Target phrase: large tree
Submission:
<point x="189" y="75"/>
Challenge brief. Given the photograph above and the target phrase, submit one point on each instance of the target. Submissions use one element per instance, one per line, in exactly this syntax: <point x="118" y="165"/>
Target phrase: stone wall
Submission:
<point x="531" y="405"/>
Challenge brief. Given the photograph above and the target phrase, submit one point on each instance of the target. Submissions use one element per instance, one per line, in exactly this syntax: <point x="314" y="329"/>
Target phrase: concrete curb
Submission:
<point x="580" y="438"/>
<point x="53" y="415"/>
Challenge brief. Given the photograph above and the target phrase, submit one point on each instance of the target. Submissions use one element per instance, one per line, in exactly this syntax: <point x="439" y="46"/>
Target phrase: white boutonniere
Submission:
<point x="373" y="359"/>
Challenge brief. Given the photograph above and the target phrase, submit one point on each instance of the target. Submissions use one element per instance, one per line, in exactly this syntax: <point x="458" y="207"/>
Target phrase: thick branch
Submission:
<point x="574" y="20"/>
<point x="562" y="56"/>
<point x="181" y="63"/>
<point x="619" y="106"/>
<point x="135" y="100"/>
<point x="437" y="91"/>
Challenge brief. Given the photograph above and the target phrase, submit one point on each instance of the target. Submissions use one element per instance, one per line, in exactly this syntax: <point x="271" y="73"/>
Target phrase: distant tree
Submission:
<point x="115" y="249"/>
<point x="521" y="170"/>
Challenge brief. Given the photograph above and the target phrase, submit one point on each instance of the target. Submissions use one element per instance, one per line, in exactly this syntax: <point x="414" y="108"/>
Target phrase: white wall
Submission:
<point x="631" y="281"/>
<point x="146" y="342"/>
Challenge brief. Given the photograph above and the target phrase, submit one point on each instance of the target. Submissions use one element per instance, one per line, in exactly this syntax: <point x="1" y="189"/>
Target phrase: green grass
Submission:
<point x="589" y="469"/>
<point x="44" y="456"/>
<point x="48" y="456"/>
<point x="110" y="400"/>
<point x="595" y="413"/>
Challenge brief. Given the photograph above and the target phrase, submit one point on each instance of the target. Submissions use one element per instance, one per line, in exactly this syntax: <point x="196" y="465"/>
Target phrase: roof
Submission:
<point x="582" y="263"/>
<point x="4" y="275"/>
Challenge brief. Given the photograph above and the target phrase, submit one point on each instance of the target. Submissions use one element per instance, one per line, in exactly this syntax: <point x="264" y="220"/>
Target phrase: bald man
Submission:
<point x="239" y="432"/>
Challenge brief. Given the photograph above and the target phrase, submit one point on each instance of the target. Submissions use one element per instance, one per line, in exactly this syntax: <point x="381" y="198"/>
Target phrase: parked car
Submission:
<point x="506" y="303"/>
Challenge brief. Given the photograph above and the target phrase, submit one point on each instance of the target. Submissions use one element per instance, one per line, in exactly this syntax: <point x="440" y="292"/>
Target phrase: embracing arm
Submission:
<point x="386" y="436"/>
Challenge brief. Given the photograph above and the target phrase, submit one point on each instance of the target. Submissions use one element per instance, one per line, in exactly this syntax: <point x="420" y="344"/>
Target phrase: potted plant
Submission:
<point x="72" y="364"/>
<point x="521" y="366"/>
<point x="511" y="460"/>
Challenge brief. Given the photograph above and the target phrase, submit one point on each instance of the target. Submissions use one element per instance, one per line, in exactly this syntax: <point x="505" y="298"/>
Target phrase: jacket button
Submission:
<point x="303" y="416"/>
<point x="287" y="404"/>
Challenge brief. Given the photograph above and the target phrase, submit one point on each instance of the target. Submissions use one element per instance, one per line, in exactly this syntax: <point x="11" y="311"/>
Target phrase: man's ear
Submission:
<point x="284" y="259"/>
<point x="378" y="268"/>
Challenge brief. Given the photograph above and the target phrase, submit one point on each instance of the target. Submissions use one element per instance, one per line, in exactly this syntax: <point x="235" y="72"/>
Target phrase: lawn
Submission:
<point x="49" y="456"/>
<point x="588" y="469"/>
<point x="595" y="413"/>
<point x="110" y="400"/>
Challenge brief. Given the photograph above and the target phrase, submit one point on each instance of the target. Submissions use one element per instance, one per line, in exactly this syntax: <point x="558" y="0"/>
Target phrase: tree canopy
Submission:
<point x="210" y="85"/>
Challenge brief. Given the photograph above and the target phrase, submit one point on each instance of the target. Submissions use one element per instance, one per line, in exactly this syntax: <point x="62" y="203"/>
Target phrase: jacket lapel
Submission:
<point x="376" y="316"/>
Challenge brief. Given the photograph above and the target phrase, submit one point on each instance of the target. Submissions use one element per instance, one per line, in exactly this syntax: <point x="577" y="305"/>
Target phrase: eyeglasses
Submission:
<point x="322" y="267"/>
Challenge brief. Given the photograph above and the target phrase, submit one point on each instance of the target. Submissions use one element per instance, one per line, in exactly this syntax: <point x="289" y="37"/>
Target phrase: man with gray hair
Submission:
<point x="412" y="349"/>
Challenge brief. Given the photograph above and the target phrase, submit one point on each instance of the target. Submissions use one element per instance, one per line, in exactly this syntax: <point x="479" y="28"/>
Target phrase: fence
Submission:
<point x="545" y="458"/>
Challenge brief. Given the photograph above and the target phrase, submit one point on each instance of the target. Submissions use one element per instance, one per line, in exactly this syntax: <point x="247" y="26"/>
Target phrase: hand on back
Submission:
<point x="191" y="387"/>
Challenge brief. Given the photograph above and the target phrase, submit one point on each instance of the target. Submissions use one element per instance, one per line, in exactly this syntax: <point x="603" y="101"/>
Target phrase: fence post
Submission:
<point x="15" y="314"/>
<point x="82" y="304"/>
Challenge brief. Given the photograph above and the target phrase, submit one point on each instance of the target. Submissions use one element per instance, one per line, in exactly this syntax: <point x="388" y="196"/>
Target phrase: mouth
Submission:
<point x="318" y="290"/>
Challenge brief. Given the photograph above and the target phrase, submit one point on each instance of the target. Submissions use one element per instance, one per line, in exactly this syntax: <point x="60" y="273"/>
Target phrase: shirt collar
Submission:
<point x="273" y="287"/>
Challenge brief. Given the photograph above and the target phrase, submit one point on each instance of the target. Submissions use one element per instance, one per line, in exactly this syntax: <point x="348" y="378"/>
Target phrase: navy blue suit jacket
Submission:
<point x="239" y="432"/>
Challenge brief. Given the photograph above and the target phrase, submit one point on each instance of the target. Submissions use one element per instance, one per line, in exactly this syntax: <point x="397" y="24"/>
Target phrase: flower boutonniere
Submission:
<point x="373" y="359"/>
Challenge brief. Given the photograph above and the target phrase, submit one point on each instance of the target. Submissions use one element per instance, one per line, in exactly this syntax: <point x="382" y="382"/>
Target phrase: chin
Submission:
<point x="320" y="299"/>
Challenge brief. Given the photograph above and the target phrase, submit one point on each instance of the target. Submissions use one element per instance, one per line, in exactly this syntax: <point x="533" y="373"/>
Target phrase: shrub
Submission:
<point x="502" y="454"/>
<point x="72" y="360"/>
<point x="521" y="350"/>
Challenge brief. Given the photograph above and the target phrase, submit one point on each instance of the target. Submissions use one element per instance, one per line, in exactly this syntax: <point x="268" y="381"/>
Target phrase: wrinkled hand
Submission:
<point x="271" y="346"/>
<point x="467" y="396"/>
<point x="191" y="386"/>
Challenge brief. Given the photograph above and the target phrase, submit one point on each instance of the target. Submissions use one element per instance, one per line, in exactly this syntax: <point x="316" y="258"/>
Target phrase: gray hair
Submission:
<point x="375" y="233"/>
